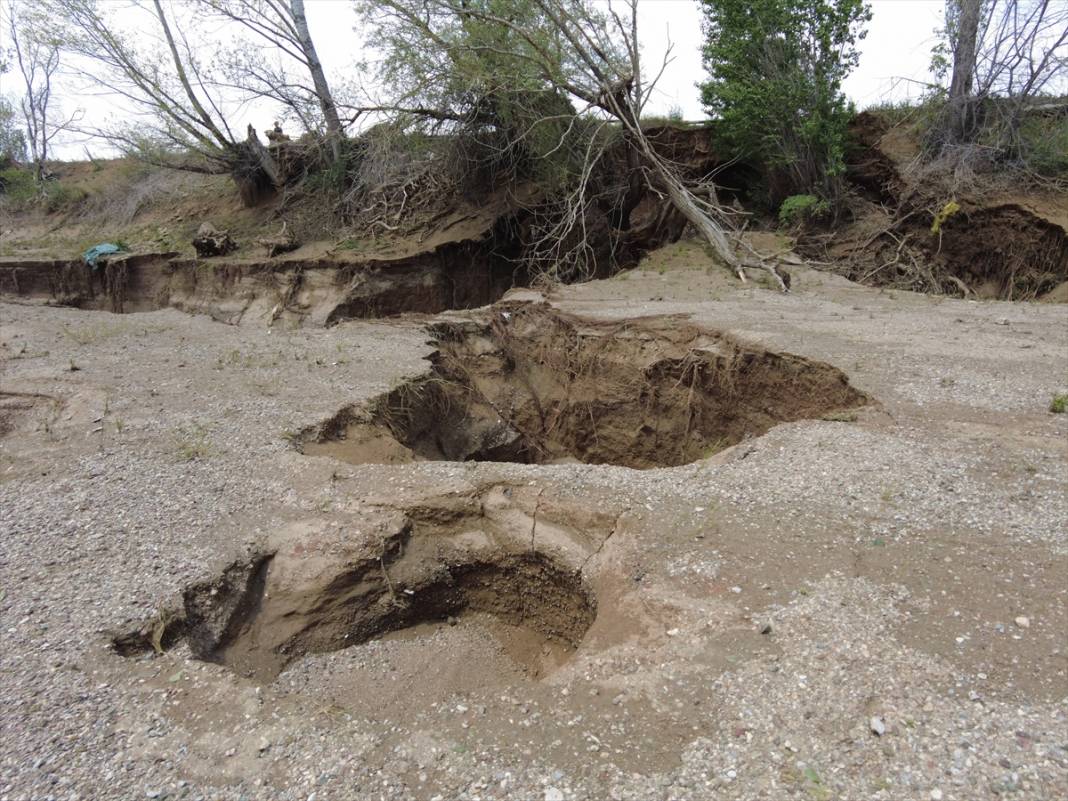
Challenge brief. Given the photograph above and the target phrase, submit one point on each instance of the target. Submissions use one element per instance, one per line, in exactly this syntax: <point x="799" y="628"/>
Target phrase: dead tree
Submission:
<point x="36" y="50"/>
<point x="1007" y="55"/>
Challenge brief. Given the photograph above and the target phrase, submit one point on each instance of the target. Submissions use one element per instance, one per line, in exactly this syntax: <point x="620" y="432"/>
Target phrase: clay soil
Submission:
<point x="840" y="573"/>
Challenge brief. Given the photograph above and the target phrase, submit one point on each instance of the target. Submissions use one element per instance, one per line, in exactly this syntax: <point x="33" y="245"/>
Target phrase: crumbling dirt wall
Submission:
<point x="992" y="246"/>
<point x="314" y="291"/>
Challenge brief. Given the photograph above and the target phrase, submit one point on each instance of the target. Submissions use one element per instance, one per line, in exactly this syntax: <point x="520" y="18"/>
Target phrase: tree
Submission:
<point x="282" y="26"/>
<point x="515" y="67"/>
<point x="960" y="107"/>
<point x="775" y="86"/>
<point x="1005" y="56"/>
<point x="36" y="57"/>
<point x="180" y="120"/>
<point x="12" y="137"/>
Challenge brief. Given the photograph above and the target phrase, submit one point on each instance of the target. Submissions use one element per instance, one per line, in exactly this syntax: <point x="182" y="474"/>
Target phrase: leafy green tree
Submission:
<point x="775" y="84"/>
<point x="12" y="138"/>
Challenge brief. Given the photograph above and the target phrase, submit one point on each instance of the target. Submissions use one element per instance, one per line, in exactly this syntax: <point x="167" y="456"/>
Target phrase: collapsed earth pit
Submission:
<point x="499" y="560"/>
<point x="533" y="385"/>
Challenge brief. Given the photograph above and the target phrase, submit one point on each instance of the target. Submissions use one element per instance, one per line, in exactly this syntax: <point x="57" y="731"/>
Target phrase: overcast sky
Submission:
<point x="895" y="54"/>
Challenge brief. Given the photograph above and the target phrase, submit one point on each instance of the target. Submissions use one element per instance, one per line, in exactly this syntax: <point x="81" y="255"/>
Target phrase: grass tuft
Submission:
<point x="192" y="443"/>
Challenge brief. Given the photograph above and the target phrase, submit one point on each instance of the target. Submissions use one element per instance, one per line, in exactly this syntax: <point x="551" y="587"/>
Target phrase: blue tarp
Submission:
<point x="96" y="251"/>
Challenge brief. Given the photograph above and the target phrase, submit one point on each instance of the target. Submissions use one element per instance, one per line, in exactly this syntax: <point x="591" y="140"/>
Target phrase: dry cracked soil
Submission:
<point x="656" y="537"/>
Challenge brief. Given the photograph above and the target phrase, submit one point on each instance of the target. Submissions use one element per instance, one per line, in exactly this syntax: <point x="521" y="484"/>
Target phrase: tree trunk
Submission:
<point x="683" y="200"/>
<point x="254" y="170"/>
<point x="322" y="88"/>
<point x="179" y="68"/>
<point x="961" y="100"/>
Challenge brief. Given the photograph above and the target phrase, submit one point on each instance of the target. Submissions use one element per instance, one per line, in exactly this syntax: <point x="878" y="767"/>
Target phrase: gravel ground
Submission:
<point x="872" y="609"/>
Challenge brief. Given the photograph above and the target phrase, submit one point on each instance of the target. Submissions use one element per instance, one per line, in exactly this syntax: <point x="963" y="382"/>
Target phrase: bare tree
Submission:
<point x="283" y="26"/>
<point x="1007" y="54"/>
<point x="179" y="121"/>
<point x="36" y="55"/>
<point x="485" y="62"/>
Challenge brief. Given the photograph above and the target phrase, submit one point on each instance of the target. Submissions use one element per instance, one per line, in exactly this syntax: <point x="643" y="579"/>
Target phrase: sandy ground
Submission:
<point x="874" y="609"/>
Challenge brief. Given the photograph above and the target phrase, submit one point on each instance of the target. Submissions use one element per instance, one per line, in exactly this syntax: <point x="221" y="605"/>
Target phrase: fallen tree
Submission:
<point x="546" y="84"/>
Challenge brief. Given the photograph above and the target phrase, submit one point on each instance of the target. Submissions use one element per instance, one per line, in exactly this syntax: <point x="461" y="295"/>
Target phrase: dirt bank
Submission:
<point x="911" y="229"/>
<point x="301" y="289"/>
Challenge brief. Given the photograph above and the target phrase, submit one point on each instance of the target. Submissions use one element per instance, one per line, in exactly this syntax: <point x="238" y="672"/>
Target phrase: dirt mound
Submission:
<point x="530" y="384"/>
<point x="1002" y="252"/>
<point x="504" y="556"/>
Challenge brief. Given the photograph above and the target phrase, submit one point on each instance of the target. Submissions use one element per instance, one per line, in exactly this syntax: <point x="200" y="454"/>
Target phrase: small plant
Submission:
<point x="798" y="209"/>
<point x="814" y="785"/>
<point x="17" y="186"/>
<point x="1059" y="404"/>
<point x="352" y="243"/>
<point x="234" y="358"/>
<point x="59" y="197"/>
<point x="715" y="446"/>
<point x="192" y="443"/>
<point x="947" y="211"/>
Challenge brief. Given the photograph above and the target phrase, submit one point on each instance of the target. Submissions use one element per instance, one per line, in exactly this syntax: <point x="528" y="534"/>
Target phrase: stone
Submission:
<point x="877" y="726"/>
<point x="1022" y="621"/>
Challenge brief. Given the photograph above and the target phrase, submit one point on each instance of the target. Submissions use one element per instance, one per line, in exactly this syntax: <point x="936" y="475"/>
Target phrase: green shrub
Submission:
<point x="798" y="209"/>
<point x="1059" y="404"/>
<point x="1044" y="144"/>
<point x="17" y="186"/>
<point x="20" y="191"/>
<point x="59" y="197"/>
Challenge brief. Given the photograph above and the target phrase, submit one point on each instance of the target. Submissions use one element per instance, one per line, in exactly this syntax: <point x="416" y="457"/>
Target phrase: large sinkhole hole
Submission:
<point x="530" y="384"/>
<point x="256" y="618"/>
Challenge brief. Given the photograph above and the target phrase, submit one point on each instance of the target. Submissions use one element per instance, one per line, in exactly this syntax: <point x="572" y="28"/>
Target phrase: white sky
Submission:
<point x="898" y="45"/>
